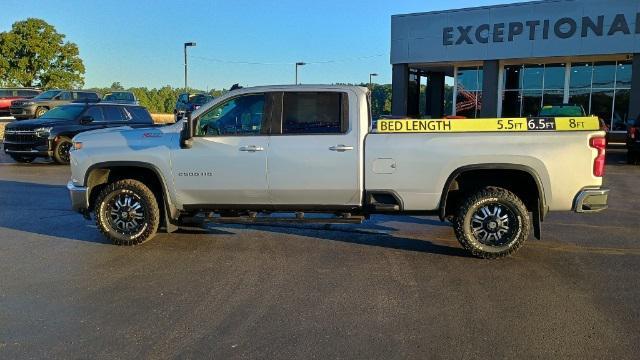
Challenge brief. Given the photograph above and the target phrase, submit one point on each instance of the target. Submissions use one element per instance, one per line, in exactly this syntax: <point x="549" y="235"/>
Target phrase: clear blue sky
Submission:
<point x="139" y="43"/>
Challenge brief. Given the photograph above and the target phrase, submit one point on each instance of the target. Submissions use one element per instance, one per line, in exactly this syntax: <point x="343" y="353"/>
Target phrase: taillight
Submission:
<point x="633" y="133"/>
<point x="600" y="144"/>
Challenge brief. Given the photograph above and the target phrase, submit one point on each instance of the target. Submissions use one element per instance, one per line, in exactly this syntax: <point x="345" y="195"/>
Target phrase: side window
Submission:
<point x="314" y="113"/>
<point x="183" y="98"/>
<point x="114" y="113"/>
<point x="85" y="95"/>
<point x="243" y="115"/>
<point x="65" y="95"/>
<point x="95" y="112"/>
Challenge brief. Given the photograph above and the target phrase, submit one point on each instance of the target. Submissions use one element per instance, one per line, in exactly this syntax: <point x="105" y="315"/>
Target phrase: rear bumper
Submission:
<point x="79" y="198"/>
<point x="591" y="200"/>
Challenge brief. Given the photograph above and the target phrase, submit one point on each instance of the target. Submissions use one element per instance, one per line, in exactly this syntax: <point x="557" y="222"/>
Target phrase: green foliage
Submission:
<point x="33" y="53"/>
<point x="161" y="101"/>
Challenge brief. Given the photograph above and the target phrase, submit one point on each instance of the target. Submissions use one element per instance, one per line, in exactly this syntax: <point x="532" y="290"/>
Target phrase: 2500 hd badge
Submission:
<point x="195" y="173"/>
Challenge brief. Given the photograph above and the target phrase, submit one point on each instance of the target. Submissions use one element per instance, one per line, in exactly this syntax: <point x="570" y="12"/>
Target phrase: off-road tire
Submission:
<point x="148" y="201"/>
<point x="490" y="196"/>
<point x="23" y="159"/>
<point x="40" y="111"/>
<point x="61" y="150"/>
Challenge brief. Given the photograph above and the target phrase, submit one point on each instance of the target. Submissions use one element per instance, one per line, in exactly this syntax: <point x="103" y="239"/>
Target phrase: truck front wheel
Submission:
<point x="492" y="223"/>
<point x="127" y="212"/>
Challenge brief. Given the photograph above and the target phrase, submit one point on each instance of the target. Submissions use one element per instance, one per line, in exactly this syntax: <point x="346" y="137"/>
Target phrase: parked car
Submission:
<point x="122" y="97"/>
<point x="7" y="95"/>
<point x="312" y="149"/>
<point x="50" y="135"/>
<point x="570" y="110"/>
<point x="633" y="141"/>
<point x="190" y="102"/>
<point x="39" y="105"/>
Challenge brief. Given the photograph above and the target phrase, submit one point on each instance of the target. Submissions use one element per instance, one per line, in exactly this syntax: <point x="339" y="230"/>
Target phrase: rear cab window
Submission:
<point x="139" y="114"/>
<point x="315" y="113"/>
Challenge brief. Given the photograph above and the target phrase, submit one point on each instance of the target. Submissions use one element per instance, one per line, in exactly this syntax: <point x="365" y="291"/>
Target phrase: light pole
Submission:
<point x="371" y="80"/>
<point x="299" y="64"/>
<point x="186" y="45"/>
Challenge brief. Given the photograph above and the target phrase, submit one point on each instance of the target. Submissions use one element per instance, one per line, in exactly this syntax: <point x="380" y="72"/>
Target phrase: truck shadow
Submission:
<point x="42" y="209"/>
<point x="370" y="235"/>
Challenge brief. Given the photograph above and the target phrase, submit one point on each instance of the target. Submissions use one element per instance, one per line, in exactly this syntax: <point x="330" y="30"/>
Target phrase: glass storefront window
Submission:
<point x="511" y="77"/>
<point x="469" y="92"/>
<point x="581" y="97"/>
<point x="623" y="75"/>
<point x="604" y="75"/>
<point x="554" y="76"/>
<point x="531" y="103"/>
<point x="602" y="104"/>
<point x="532" y="76"/>
<point x="469" y="79"/>
<point x="580" y="76"/>
<point x="511" y="103"/>
<point x="621" y="110"/>
<point x="552" y="97"/>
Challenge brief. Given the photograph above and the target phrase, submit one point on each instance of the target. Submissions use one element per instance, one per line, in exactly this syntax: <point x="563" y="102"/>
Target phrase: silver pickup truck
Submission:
<point x="314" y="149"/>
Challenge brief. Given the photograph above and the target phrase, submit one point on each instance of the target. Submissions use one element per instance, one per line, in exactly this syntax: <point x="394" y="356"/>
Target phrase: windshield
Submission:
<point x="562" y="111"/>
<point x="47" y="95"/>
<point x="199" y="99"/>
<point x="63" y="113"/>
<point x="119" y="96"/>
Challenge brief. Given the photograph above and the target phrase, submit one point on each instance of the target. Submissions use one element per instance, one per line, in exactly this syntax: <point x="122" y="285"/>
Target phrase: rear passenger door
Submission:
<point x="313" y="153"/>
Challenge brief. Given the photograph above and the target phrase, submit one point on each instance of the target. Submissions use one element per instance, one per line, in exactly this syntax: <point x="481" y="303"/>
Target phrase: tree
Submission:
<point x="116" y="86"/>
<point x="33" y="53"/>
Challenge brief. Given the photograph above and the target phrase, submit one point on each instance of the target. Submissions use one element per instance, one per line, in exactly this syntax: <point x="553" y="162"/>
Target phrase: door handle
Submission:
<point x="341" y="148"/>
<point x="251" y="148"/>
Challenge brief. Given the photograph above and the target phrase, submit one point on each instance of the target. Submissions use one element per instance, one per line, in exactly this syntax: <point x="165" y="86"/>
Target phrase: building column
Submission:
<point x="490" y="84"/>
<point x="434" y="95"/>
<point x="634" y="99"/>
<point x="400" y="89"/>
<point x="413" y="99"/>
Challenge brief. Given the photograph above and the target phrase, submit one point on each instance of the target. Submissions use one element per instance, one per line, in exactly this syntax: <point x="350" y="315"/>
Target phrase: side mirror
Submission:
<point x="186" y="135"/>
<point x="87" y="119"/>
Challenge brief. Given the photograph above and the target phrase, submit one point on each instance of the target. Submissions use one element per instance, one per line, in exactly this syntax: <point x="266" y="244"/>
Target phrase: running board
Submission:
<point x="287" y="220"/>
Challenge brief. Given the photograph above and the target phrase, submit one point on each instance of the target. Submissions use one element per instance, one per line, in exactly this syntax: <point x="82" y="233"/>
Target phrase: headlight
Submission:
<point x="77" y="145"/>
<point x="43" y="131"/>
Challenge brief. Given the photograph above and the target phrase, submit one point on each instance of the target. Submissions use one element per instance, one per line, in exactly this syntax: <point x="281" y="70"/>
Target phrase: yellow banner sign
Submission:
<point x="488" y="125"/>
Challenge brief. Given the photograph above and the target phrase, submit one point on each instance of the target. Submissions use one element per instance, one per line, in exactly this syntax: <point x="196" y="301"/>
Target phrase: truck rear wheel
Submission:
<point x="127" y="212"/>
<point x="492" y="223"/>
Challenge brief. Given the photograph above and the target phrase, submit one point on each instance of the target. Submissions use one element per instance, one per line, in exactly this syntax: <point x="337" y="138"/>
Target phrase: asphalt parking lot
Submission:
<point x="394" y="287"/>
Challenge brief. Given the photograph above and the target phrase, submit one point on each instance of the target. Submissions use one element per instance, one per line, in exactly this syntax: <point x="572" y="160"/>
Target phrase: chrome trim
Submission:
<point x="581" y="204"/>
<point x="78" y="195"/>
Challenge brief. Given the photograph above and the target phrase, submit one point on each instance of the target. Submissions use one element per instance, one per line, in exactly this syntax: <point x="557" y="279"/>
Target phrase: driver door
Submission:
<point x="227" y="162"/>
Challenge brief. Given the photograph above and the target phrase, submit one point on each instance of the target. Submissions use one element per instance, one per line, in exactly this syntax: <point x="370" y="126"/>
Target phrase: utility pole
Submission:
<point x="299" y="64"/>
<point x="371" y="80"/>
<point x="186" y="45"/>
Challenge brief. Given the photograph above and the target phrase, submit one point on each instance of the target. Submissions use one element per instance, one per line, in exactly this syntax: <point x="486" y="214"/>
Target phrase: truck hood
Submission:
<point x="36" y="123"/>
<point x="128" y="136"/>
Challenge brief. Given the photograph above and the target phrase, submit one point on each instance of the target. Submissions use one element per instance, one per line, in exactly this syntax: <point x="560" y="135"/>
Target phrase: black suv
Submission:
<point x="188" y="103"/>
<point x="50" y="135"/>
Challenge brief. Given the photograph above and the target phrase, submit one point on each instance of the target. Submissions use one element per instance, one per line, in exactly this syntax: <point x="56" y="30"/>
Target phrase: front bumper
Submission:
<point x="591" y="200"/>
<point x="79" y="198"/>
<point x="40" y="148"/>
